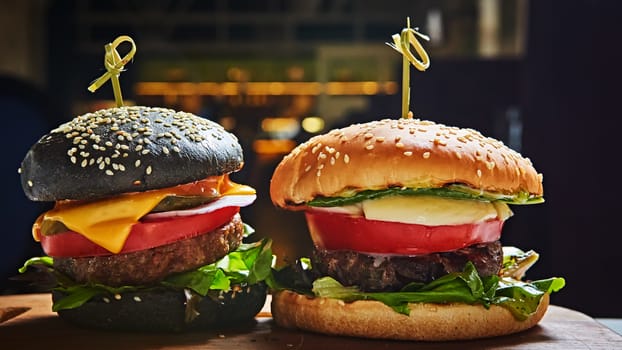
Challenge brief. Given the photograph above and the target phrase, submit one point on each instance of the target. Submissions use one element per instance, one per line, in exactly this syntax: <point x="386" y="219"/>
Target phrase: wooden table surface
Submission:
<point x="40" y="328"/>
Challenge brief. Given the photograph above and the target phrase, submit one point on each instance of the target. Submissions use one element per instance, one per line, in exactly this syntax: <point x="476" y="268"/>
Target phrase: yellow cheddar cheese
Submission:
<point x="108" y="222"/>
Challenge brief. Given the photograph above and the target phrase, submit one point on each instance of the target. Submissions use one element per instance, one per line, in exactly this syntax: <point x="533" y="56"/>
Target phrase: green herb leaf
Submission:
<point x="521" y="298"/>
<point x="249" y="264"/>
<point x="40" y="260"/>
<point x="455" y="191"/>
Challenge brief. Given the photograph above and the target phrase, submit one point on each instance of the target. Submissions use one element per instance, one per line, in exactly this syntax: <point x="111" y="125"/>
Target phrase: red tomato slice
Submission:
<point x="335" y="231"/>
<point x="144" y="235"/>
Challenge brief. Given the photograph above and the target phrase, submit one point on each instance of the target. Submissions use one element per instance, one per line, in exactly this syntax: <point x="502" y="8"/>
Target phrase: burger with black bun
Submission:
<point x="145" y="233"/>
<point x="406" y="218"/>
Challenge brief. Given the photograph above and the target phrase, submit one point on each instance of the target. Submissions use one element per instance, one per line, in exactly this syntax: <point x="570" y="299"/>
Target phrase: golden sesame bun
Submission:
<point x="399" y="152"/>
<point x="373" y="319"/>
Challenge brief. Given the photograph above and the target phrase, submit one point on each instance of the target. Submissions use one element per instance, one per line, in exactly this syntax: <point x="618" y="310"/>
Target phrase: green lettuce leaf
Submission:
<point x="455" y="191"/>
<point x="521" y="298"/>
<point x="465" y="287"/>
<point x="251" y="263"/>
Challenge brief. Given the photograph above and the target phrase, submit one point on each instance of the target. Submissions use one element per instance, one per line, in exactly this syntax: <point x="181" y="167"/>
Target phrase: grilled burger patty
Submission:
<point x="391" y="273"/>
<point x="152" y="265"/>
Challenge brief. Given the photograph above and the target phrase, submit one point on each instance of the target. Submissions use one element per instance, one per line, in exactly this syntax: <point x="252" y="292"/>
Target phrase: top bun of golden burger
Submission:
<point x="400" y="153"/>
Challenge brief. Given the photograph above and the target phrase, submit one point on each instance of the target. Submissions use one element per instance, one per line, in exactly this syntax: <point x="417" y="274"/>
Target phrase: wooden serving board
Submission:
<point x="39" y="328"/>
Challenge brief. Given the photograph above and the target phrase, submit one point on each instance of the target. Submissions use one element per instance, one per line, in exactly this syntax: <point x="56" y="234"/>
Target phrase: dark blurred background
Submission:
<point x="542" y="76"/>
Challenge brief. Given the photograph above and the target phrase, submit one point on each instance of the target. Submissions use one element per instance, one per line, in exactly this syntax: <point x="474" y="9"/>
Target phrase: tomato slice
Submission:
<point x="337" y="231"/>
<point x="144" y="235"/>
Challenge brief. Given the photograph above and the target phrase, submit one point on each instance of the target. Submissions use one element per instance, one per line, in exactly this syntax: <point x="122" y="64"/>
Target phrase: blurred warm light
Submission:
<point x="270" y="147"/>
<point x="370" y="88"/>
<point x="237" y="74"/>
<point x="313" y="124"/>
<point x="276" y="88"/>
<point x="228" y="122"/>
<point x="280" y="128"/>
<point x="266" y="88"/>
<point x="390" y="88"/>
<point x="226" y="88"/>
<point x="295" y="73"/>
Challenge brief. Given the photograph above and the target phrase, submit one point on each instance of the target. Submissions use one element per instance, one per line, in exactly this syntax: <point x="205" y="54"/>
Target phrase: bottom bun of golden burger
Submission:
<point x="373" y="319"/>
<point x="406" y="218"/>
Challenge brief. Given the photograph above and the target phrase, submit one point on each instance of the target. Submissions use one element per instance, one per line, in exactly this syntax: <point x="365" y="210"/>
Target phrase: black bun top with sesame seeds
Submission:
<point x="126" y="149"/>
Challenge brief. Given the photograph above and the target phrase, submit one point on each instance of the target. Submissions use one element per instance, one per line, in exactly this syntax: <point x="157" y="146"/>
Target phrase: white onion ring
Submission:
<point x="346" y="209"/>
<point x="241" y="200"/>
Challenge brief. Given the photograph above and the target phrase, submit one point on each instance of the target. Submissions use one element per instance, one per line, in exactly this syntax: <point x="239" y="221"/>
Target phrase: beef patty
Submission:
<point x="391" y="273"/>
<point x="152" y="265"/>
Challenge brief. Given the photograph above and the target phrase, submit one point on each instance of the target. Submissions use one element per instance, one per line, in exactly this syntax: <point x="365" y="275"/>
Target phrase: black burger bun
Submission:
<point x="166" y="310"/>
<point x="126" y="149"/>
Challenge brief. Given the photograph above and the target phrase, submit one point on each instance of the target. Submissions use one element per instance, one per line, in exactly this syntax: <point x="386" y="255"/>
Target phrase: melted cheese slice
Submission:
<point x="433" y="211"/>
<point x="108" y="222"/>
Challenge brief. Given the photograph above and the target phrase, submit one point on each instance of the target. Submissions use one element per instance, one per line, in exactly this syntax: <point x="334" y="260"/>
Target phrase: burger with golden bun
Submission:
<point x="406" y="218"/>
<point x="145" y="232"/>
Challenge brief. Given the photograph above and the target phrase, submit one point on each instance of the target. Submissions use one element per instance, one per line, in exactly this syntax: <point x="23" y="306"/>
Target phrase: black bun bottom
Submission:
<point x="165" y="311"/>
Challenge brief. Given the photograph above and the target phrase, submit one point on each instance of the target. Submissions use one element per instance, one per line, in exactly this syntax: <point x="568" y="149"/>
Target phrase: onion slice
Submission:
<point x="241" y="200"/>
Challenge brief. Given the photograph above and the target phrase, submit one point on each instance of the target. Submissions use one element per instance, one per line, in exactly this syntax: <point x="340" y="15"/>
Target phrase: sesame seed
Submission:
<point x="426" y="155"/>
<point x="490" y="165"/>
<point x="408" y="153"/>
<point x="379" y="139"/>
<point x="19" y="170"/>
<point x="307" y="168"/>
<point x="346" y="158"/>
<point x="369" y="147"/>
<point x="368" y="136"/>
<point x="84" y="163"/>
<point x="117" y="296"/>
<point x="109" y="172"/>
<point x="106" y="300"/>
<point x="30" y="184"/>
<point x="73" y="159"/>
<point x="332" y="160"/>
<point x="479" y="173"/>
<point x="137" y="299"/>
<point x="148" y="170"/>
<point x="165" y="150"/>
<point x="399" y="145"/>
<point x="318" y="173"/>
